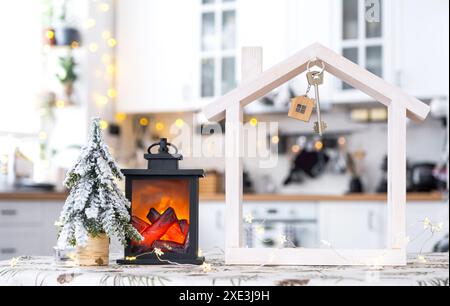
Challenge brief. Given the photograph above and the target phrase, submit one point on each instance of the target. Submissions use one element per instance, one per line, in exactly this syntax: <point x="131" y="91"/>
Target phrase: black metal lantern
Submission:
<point x="164" y="209"/>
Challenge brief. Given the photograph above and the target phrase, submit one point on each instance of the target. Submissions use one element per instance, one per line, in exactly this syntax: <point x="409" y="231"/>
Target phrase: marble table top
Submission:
<point x="429" y="270"/>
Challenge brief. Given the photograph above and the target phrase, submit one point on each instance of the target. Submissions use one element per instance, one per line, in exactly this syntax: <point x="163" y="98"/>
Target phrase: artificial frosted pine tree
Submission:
<point x="95" y="205"/>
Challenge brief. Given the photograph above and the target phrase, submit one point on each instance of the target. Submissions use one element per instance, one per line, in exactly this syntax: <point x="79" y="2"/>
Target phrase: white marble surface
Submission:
<point x="43" y="271"/>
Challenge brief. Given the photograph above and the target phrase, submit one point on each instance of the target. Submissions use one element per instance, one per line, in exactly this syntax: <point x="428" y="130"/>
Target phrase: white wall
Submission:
<point x="159" y="40"/>
<point x="20" y="62"/>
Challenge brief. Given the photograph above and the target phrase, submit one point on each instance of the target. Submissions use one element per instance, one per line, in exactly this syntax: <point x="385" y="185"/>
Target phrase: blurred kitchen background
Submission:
<point x="148" y="67"/>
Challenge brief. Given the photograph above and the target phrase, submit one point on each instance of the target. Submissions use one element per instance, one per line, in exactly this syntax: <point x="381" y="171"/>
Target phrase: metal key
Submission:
<point x="316" y="78"/>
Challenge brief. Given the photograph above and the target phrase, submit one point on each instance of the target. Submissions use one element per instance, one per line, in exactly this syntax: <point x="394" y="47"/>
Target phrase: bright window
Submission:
<point x="218" y="47"/>
<point x="20" y="66"/>
<point x="362" y="34"/>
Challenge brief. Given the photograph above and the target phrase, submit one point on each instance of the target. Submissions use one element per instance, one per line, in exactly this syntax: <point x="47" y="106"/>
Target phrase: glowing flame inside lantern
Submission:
<point x="161" y="214"/>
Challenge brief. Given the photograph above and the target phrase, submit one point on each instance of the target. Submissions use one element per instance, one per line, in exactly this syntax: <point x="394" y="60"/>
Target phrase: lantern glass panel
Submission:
<point x="161" y="212"/>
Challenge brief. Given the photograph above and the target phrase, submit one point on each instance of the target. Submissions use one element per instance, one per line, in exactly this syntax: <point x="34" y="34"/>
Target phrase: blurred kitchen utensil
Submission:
<point x="268" y="185"/>
<point x="423" y="179"/>
<point x="34" y="186"/>
<point x="311" y="163"/>
<point x="356" y="184"/>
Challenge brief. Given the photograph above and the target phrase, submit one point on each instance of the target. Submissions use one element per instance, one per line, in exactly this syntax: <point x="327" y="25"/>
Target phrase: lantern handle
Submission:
<point x="163" y="147"/>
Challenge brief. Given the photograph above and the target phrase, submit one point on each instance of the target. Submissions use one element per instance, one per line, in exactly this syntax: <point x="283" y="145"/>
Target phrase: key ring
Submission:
<point x="319" y="72"/>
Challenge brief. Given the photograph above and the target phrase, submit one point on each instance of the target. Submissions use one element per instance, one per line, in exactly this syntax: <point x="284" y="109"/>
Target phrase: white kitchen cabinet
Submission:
<point x="27" y="228"/>
<point x="421" y="239"/>
<point x="21" y="213"/>
<point x="297" y="221"/>
<point x="159" y="54"/>
<point x="364" y="225"/>
<point x="212" y="226"/>
<point x="21" y="241"/>
<point x="353" y="225"/>
<point x="423" y="34"/>
<point x="52" y="214"/>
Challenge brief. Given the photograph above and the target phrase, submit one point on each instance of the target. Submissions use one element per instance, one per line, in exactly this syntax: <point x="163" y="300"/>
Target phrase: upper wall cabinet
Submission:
<point x="157" y="54"/>
<point x="394" y="40"/>
<point x="218" y="48"/>
<point x="423" y="47"/>
<point x="178" y="55"/>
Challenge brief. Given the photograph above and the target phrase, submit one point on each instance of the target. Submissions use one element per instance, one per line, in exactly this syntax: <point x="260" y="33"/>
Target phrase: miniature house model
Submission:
<point x="255" y="85"/>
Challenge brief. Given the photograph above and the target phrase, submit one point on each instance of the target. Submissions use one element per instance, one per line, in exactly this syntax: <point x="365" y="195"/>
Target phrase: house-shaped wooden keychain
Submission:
<point x="301" y="108"/>
<point x="255" y="85"/>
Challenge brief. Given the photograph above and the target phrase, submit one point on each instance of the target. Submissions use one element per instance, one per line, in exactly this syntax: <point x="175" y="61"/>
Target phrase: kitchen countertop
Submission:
<point x="43" y="271"/>
<point x="412" y="197"/>
<point x="20" y="195"/>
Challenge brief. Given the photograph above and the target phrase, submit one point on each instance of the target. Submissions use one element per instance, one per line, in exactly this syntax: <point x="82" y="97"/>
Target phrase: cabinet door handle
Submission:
<point x="219" y="222"/>
<point x="8" y="212"/>
<point x="371" y="220"/>
<point x="8" y="251"/>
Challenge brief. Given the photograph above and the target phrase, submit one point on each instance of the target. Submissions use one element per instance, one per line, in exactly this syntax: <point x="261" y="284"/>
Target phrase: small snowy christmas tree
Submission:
<point x="95" y="205"/>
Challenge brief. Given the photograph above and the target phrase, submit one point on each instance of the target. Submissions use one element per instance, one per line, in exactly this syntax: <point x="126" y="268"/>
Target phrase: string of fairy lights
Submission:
<point x="430" y="228"/>
<point x="376" y="264"/>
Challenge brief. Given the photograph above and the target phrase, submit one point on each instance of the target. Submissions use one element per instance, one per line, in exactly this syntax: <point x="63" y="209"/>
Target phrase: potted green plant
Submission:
<point x="65" y="35"/>
<point x="66" y="74"/>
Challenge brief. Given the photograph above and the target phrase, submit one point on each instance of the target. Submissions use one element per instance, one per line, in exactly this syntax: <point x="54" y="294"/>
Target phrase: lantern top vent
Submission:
<point x="163" y="160"/>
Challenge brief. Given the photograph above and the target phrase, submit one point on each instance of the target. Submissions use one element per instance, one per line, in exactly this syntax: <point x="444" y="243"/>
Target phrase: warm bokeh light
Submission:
<point x="144" y="121"/>
<point x="104" y="7"/>
<point x="75" y="45"/>
<point x="253" y="122"/>
<point x="121" y="117"/>
<point x="296" y="149"/>
<point x="318" y="145"/>
<point x="275" y="140"/>
<point x="104" y="124"/>
<point x="90" y="23"/>
<point x="93" y="47"/>
<point x="112" y="42"/>
<point x="60" y="104"/>
<point x="112" y="93"/>
<point x="159" y="126"/>
<point x="179" y="123"/>
<point x="50" y="34"/>
<point x="43" y="136"/>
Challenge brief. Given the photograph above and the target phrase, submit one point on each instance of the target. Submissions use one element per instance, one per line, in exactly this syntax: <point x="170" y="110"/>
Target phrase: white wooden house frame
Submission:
<point x="255" y="85"/>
